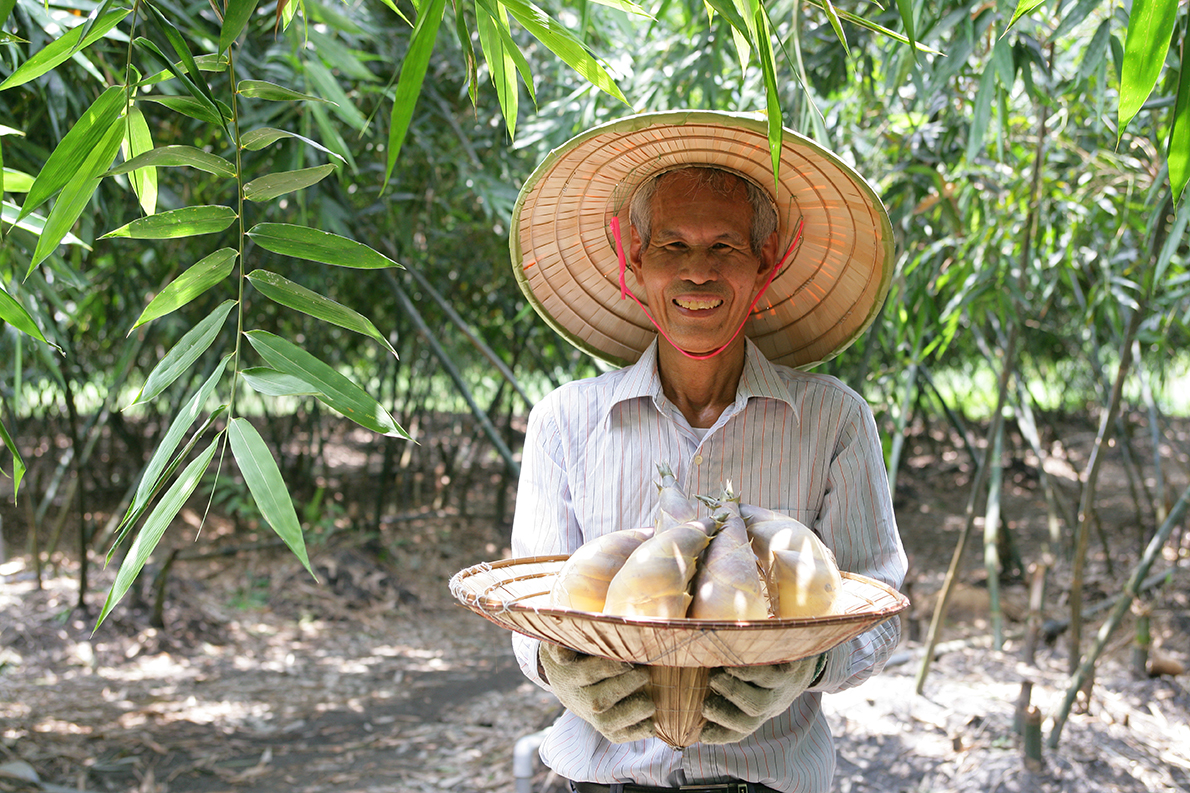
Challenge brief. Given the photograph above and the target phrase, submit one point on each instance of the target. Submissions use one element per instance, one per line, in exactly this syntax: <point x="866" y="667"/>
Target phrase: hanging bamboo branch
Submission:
<point x="471" y="335"/>
<point x="452" y="371"/>
<point x="1122" y="604"/>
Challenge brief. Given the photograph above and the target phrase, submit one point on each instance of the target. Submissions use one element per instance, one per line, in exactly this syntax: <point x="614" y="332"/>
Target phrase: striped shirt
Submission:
<point x="796" y="442"/>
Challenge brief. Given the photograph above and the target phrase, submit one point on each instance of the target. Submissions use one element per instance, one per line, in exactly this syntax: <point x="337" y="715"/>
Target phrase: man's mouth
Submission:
<point x="698" y="303"/>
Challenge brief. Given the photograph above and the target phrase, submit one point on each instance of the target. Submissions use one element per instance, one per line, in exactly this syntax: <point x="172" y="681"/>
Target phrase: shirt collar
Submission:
<point x="759" y="379"/>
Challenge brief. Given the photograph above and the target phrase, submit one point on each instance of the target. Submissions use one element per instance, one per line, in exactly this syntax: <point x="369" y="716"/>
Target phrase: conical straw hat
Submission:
<point x="827" y="293"/>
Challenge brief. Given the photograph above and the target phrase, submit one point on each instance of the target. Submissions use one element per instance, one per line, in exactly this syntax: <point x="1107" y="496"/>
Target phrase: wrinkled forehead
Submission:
<point x="721" y="181"/>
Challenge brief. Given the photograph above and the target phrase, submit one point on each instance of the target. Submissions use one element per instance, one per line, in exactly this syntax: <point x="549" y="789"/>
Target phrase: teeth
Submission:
<point x="699" y="304"/>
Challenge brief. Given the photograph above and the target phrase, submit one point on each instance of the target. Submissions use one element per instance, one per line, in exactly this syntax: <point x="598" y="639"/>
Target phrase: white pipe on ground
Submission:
<point x="524" y="755"/>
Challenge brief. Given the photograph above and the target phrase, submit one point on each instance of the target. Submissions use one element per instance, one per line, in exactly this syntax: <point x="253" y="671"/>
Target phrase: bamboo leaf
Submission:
<point x="511" y="49"/>
<point x="278" y="184"/>
<point x="328" y="86"/>
<point x="270" y="382"/>
<point x="184" y="222"/>
<point x="15" y="314"/>
<point x="1095" y="52"/>
<point x="58" y="51"/>
<point x="257" y="139"/>
<point x="905" y="9"/>
<point x="74" y="148"/>
<point x="1023" y="7"/>
<point x="196" y="341"/>
<point x="464" y="37"/>
<point x="76" y="194"/>
<point x="266" y="485"/>
<point x="764" y="56"/>
<point x="334" y="390"/>
<point x="982" y="113"/>
<point x="189" y="106"/>
<point x="156" y="524"/>
<point x="1150" y="26"/>
<point x="33" y="223"/>
<point x="317" y="245"/>
<point x="563" y="44"/>
<point x="856" y="19"/>
<point x="1072" y="19"/>
<point x="176" y="155"/>
<point x="137" y="141"/>
<point x="16" y="181"/>
<point x="205" y="63"/>
<point x="259" y="89"/>
<point x="203" y="98"/>
<point x="178" y="42"/>
<point x="158" y="468"/>
<point x="96" y="13"/>
<point x="833" y="17"/>
<point x="18" y="462"/>
<point x="413" y="73"/>
<point x="235" y="19"/>
<point x="281" y="290"/>
<point x="626" y="6"/>
<point x="1179" y="134"/>
<point x="198" y="278"/>
<point x="500" y="66"/>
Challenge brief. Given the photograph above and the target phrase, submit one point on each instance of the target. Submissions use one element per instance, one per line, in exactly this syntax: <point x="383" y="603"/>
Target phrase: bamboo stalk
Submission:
<point x="898" y="441"/>
<point x="1028" y="426"/>
<point x="1036" y="612"/>
<point x="1122" y="603"/>
<point x="977" y="486"/>
<point x="1032" y="742"/>
<point x="1090" y="480"/>
<point x="1146" y="394"/>
<point x="991" y="526"/>
<point x="1143" y="641"/>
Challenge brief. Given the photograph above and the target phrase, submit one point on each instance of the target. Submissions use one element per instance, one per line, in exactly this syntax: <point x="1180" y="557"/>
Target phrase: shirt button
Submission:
<point x="698" y="459"/>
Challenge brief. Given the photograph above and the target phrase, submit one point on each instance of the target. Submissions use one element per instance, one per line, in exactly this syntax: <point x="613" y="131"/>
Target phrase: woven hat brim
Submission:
<point x="565" y="262"/>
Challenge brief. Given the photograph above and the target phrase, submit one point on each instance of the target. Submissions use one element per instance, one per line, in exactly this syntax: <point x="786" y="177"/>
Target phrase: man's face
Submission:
<point x="698" y="272"/>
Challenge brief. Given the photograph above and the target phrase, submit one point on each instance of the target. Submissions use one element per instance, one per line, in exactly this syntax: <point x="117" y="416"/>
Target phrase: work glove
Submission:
<point x="744" y="697"/>
<point x="609" y="695"/>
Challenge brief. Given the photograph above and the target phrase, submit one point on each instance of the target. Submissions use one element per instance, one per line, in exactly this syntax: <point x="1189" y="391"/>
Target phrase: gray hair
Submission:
<point x="764" y="215"/>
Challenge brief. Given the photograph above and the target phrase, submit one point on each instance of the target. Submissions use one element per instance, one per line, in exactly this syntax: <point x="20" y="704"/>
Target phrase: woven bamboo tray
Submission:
<point x="515" y="594"/>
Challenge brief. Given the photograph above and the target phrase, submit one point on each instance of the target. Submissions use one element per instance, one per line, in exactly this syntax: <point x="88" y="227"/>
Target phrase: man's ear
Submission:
<point x="769" y="257"/>
<point x="634" y="251"/>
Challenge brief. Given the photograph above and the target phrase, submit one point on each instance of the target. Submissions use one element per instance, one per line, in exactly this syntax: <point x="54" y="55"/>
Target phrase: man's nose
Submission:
<point x="699" y="267"/>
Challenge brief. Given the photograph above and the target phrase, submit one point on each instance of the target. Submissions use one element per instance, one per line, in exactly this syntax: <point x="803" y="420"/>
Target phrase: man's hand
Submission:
<point x="744" y="697"/>
<point x="607" y="694"/>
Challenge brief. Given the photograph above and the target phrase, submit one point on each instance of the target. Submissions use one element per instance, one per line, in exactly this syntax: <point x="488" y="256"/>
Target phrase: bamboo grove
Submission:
<point x="229" y="211"/>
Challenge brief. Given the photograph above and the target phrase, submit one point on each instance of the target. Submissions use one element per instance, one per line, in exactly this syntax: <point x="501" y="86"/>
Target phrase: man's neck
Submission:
<point x="702" y="390"/>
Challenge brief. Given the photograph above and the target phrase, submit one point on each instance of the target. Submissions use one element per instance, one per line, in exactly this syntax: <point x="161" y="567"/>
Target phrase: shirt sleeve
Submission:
<point x="856" y="521"/>
<point x="544" y="522"/>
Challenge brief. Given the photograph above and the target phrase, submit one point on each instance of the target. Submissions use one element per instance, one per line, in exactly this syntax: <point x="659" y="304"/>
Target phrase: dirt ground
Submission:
<point x="373" y="680"/>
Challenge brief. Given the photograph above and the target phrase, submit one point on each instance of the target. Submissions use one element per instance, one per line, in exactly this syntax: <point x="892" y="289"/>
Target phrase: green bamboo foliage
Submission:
<point x="70" y="178"/>
<point x="1151" y="26"/>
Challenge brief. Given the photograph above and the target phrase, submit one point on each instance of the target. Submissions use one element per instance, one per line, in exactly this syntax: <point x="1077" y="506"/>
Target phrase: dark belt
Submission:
<point x="721" y="787"/>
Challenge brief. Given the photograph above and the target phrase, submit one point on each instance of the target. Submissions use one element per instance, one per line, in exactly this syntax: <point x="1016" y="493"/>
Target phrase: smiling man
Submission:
<point x="729" y="284"/>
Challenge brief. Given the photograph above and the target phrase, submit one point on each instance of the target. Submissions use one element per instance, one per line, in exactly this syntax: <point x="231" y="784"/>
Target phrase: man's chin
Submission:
<point x="696" y="344"/>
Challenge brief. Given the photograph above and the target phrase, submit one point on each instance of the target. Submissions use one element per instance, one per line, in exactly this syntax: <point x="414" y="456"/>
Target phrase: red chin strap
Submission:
<point x="624" y="291"/>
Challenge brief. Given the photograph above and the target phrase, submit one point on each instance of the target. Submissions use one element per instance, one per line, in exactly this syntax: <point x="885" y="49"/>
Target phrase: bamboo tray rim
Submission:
<point x="492" y="605"/>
